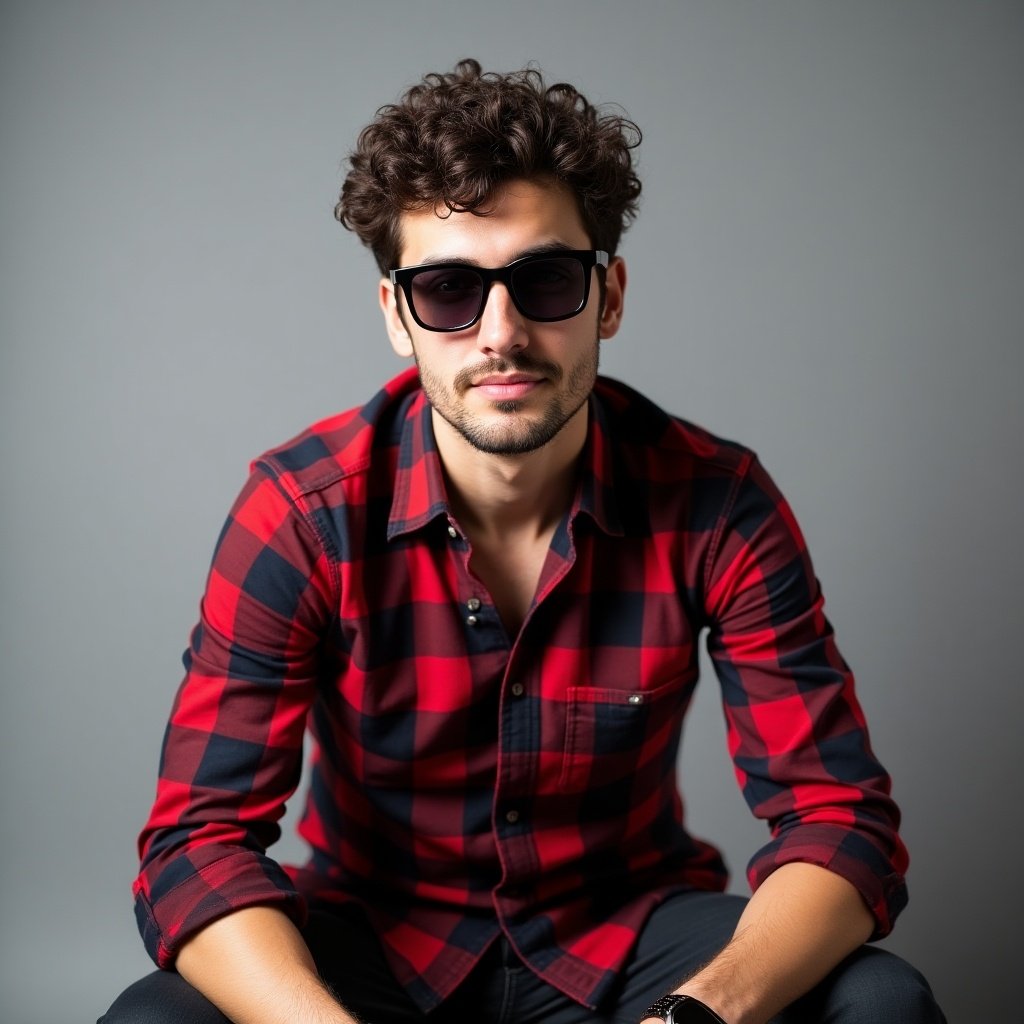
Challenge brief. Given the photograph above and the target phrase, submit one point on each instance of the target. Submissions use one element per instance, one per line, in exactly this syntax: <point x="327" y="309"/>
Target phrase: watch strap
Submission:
<point x="679" y="1009"/>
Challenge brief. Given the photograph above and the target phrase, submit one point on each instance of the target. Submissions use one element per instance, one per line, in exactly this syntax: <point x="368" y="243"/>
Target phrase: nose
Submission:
<point x="501" y="328"/>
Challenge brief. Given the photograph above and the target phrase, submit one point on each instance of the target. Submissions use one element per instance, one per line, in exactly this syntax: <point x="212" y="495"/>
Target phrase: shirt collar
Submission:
<point x="419" y="491"/>
<point x="597" y="496"/>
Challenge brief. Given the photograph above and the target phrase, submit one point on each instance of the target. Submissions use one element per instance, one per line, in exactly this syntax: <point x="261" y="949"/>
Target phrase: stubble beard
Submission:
<point x="515" y="435"/>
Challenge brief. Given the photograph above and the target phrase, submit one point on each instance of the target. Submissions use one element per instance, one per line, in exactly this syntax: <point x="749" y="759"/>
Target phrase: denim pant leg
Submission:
<point x="163" y="997"/>
<point x="871" y="986"/>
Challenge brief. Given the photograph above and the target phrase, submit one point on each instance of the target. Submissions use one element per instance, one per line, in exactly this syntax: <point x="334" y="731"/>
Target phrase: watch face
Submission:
<point x="690" y="1011"/>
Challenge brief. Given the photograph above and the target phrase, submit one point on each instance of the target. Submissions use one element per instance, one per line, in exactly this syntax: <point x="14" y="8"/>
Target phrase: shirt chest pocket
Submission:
<point x="612" y="735"/>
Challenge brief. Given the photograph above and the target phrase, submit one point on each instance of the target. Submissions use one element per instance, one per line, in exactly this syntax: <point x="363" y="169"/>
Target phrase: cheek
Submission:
<point x="437" y="363"/>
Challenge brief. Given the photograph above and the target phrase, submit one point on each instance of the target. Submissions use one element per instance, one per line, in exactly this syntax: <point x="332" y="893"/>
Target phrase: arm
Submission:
<point x="832" y="875"/>
<point x="254" y="966"/>
<point x="798" y="925"/>
<point x="233" y="747"/>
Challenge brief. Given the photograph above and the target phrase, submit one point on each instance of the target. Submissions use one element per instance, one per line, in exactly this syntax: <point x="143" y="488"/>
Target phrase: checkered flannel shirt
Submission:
<point x="466" y="782"/>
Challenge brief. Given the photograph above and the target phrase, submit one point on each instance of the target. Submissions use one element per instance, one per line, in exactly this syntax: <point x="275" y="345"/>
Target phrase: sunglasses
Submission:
<point x="545" y="287"/>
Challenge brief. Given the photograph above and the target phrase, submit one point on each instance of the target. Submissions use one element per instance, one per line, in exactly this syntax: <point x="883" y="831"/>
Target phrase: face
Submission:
<point x="506" y="385"/>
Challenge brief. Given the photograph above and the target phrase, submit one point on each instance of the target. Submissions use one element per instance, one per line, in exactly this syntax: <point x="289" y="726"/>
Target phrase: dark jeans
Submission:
<point x="870" y="987"/>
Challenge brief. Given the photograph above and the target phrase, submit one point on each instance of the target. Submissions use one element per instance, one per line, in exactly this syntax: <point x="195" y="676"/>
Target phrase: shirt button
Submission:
<point x="473" y="604"/>
<point x="518" y="689"/>
<point x="471" y="620"/>
<point x="635" y="698"/>
<point x="511" y="817"/>
<point x="452" y="532"/>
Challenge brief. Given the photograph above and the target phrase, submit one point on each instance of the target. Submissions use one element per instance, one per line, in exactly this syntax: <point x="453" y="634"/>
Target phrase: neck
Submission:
<point x="499" y="495"/>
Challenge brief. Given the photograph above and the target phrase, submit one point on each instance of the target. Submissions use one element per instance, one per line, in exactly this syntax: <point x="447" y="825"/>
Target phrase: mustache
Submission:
<point x="511" y="364"/>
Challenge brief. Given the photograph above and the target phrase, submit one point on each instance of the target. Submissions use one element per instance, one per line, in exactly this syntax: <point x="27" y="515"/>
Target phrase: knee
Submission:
<point x="162" y="997"/>
<point x="905" y="994"/>
<point x="872" y="986"/>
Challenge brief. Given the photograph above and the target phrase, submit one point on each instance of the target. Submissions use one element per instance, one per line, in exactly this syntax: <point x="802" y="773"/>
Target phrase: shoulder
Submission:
<point x="661" y="445"/>
<point x="344" y="445"/>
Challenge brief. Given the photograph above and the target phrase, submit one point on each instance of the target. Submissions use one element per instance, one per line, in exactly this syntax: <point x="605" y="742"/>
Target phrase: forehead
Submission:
<point x="521" y="216"/>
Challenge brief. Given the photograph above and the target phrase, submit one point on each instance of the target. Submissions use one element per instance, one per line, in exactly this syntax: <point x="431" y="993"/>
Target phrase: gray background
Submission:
<point x="828" y="266"/>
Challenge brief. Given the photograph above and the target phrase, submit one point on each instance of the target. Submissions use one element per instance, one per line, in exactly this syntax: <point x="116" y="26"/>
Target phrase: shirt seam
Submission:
<point x="743" y="471"/>
<point x="297" y="498"/>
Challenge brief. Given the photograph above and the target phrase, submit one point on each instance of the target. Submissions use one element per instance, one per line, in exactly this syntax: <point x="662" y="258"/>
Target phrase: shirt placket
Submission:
<point x="482" y="625"/>
<point x="515" y="769"/>
<point x="519" y="746"/>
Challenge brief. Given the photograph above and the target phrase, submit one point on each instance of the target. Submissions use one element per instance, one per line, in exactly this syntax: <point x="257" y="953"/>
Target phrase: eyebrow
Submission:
<point x="542" y="249"/>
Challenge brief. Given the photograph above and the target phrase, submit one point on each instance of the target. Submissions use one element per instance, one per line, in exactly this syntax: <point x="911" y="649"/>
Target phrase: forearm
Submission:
<point x="254" y="966"/>
<point x="797" y="926"/>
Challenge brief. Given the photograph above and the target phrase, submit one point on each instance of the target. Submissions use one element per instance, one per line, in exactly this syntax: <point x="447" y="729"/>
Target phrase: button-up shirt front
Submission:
<point x="468" y="783"/>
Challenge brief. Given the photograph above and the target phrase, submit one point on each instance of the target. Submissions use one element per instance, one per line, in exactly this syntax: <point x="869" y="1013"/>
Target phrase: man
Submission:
<point x="484" y="589"/>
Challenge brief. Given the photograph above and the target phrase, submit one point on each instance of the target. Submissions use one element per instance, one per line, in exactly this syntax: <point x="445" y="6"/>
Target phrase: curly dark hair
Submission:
<point x="456" y="137"/>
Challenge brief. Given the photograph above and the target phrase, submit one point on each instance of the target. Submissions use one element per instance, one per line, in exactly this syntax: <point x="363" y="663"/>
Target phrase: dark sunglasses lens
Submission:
<point x="550" y="288"/>
<point x="447" y="298"/>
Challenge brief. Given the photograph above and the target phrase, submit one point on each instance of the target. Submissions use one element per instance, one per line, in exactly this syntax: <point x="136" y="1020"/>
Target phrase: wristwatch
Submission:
<point x="682" y="1010"/>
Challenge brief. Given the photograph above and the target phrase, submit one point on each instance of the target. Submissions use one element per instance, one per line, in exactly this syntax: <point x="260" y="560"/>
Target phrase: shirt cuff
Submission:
<point x="851" y="855"/>
<point x="187" y="896"/>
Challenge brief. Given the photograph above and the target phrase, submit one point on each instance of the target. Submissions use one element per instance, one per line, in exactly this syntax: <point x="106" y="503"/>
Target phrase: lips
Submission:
<point x="507" y="386"/>
<point x="500" y="379"/>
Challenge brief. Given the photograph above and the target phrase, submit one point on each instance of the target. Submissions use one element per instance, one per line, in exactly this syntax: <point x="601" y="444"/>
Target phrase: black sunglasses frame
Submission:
<point x="589" y="258"/>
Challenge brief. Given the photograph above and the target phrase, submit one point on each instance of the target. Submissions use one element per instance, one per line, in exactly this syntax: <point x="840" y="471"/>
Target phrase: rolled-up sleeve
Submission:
<point x="796" y="731"/>
<point x="232" y="750"/>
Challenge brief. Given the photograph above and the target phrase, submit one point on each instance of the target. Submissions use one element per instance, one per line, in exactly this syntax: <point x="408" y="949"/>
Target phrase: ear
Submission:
<point x="397" y="334"/>
<point x="614" y="296"/>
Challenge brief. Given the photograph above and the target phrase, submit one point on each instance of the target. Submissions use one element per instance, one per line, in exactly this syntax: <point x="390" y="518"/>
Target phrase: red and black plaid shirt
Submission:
<point x="466" y="782"/>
